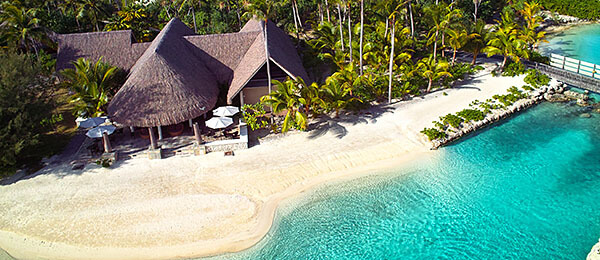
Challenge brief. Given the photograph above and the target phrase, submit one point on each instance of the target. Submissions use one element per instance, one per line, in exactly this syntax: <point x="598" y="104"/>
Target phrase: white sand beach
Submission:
<point x="197" y="206"/>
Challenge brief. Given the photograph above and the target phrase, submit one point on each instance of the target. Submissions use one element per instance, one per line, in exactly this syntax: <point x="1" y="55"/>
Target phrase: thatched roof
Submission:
<point x="281" y="52"/>
<point x="177" y="74"/>
<point x="115" y="47"/>
<point x="167" y="85"/>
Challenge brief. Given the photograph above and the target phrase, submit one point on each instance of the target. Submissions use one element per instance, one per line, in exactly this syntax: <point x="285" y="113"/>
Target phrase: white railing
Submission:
<point x="575" y="65"/>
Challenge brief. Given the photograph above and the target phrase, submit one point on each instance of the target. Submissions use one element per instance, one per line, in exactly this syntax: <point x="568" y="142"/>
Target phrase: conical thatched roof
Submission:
<point x="167" y="85"/>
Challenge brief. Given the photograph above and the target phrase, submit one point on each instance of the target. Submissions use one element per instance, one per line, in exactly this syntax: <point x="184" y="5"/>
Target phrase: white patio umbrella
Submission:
<point x="90" y="122"/>
<point x="219" y="122"/>
<point x="226" y="111"/>
<point x="97" y="132"/>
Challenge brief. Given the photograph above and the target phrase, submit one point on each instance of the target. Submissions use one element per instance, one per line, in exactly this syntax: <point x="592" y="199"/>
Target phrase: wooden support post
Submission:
<point x="160" y="135"/>
<point x="132" y="131"/>
<point x="242" y="97"/>
<point x="153" y="143"/>
<point x="197" y="133"/>
<point x="594" y="71"/>
<point x="578" y="66"/>
<point x="564" y="60"/>
<point x="190" y="121"/>
<point x="106" y="141"/>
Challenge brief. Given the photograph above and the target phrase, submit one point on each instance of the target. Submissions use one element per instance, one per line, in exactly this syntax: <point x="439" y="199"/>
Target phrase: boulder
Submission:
<point x="585" y="115"/>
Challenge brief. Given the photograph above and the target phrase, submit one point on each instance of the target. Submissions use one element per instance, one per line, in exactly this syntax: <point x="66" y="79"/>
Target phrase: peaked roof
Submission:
<point x="167" y="85"/>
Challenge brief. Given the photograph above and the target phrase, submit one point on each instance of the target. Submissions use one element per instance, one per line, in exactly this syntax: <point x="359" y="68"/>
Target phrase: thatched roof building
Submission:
<point x="176" y="77"/>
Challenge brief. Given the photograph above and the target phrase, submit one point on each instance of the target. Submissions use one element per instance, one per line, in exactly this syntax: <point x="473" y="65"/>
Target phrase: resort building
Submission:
<point x="180" y="75"/>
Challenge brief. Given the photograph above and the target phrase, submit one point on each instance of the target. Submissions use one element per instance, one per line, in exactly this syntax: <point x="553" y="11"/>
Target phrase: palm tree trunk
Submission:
<point x="350" y="32"/>
<point x="435" y="45"/>
<point x="474" y="57"/>
<point x="194" y="17"/>
<point x="327" y="8"/>
<point x="341" y="31"/>
<point x="298" y="14"/>
<point x="360" y="50"/>
<point x="453" y="57"/>
<point x="391" y="60"/>
<point x="504" y="62"/>
<point x="320" y="13"/>
<point x="387" y="23"/>
<point x="429" y="85"/>
<point x="475" y="14"/>
<point x="295" y="25"/>
<point x="412" y="22"/>
<point x="442" y="47"/>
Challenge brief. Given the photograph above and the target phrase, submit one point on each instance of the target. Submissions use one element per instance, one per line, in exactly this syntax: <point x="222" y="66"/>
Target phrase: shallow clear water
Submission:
<point x="525" y="189"/>
<point x="581" y="42"/>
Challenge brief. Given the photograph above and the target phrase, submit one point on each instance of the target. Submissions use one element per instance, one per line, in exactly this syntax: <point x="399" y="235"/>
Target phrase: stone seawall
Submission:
<point x="553" y="93"/>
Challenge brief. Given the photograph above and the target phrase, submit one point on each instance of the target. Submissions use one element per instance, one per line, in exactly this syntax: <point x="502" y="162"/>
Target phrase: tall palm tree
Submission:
<point x="286" y="97"/>
<point x="360" y="48"/>
<point x="532" y="21"/>
<point x="93" y="85"/>
<point x="432" y="70"/>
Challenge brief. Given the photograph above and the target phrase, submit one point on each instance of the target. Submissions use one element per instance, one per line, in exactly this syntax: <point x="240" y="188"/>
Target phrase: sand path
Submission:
<point x="196" y="206"/>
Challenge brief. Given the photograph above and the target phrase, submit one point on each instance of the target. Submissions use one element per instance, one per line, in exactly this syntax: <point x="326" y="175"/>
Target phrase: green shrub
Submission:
<point x="471" y="114"/>
<point x="433" y="133"/>
<point x="452" y="120"/>
<point x="254" y="115"/>
<point x="513" y="95"/>
<point x="527" y="87"/>
<point x="513" y="69"/>
<point x="536" y="79"/>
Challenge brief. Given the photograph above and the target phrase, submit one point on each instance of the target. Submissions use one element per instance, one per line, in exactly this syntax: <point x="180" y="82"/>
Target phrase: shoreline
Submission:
<point x="209" y="205"/>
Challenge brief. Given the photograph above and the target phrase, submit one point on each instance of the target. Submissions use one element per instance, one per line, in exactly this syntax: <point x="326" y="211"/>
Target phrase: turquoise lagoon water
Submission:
<point x="581" y="42"/>
<point x="525" y="189"/>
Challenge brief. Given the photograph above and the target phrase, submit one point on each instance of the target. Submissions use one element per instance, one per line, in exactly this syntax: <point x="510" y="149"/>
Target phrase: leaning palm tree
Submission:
<point x="286" y="97"/>
<point x="263" y="10"/>
<point x="432" y="70"/>
<point x="93" y="85"/>
<point x="457" y="39"/>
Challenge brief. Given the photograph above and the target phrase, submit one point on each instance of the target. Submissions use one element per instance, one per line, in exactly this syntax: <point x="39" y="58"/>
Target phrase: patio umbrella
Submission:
<point x="90" y="122"/>
<point x="219" y="122"/>
<point x="97" y="132"/>
<point x="226" y="111"/>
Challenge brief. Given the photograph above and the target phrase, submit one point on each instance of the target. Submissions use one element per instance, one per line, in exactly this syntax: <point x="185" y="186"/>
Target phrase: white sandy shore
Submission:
<point x="197" y="206"/>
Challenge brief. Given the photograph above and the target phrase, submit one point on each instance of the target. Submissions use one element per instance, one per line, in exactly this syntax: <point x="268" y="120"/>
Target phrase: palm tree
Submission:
<point x="21" y="28"/>
<point x="532" y="21"/>
<point x="476" y="3"/>
<point x="93" y="85"/>
<point x="286" y="98"/>
<point x="360" y="48"/>
<point x="91" y="8"/>
<point x="458" y="39"/>
<point x="505" y="41"/>
<point x="433" y="70"/>
<point x="310" y="97"/>
<point x="477" y="43"/>
<point x="264" y="10"/>
<point x="337" y="95"/>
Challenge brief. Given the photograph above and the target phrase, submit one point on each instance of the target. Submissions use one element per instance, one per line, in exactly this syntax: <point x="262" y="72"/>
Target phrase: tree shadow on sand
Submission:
<point x="327" y="124"/>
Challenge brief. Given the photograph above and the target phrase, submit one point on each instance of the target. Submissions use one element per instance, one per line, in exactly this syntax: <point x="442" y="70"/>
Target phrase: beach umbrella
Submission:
<point x="226" y="111"/>
<point x="219" y="122"/>
<point x="97" y="131"/>
<point x="90" y="122"/>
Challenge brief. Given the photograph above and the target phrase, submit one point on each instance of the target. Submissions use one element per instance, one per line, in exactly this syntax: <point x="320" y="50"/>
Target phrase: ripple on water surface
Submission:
<point x="525" y="189"/>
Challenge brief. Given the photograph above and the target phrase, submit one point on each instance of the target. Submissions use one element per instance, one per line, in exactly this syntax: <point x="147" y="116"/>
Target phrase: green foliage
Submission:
<point x="513" y="69"/>
<point x="25" y="109"/>
<point x="451" y="120"/>
<point x="471" y="114"/>
<point x="254" y="116"/>
<point x="286" y="97"/>
<point x="433" y="134"/>
<point x="584" y="9"/>
<point x="536" y="79"/>
<point x="93" y="85"/>
<point x="513" y="95"/>
<point x="527" y="88"/>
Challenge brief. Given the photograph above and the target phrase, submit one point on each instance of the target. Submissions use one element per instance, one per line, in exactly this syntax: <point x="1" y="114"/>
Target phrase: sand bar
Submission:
<point x="197" y="206"/>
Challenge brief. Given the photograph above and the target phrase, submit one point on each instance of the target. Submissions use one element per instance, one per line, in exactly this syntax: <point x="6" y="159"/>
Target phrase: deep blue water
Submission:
<point x="525" y="189"/>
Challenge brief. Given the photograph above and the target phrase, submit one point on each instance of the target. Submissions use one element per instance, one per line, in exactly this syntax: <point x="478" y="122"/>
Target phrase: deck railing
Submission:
<point x="574" y="65"/>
